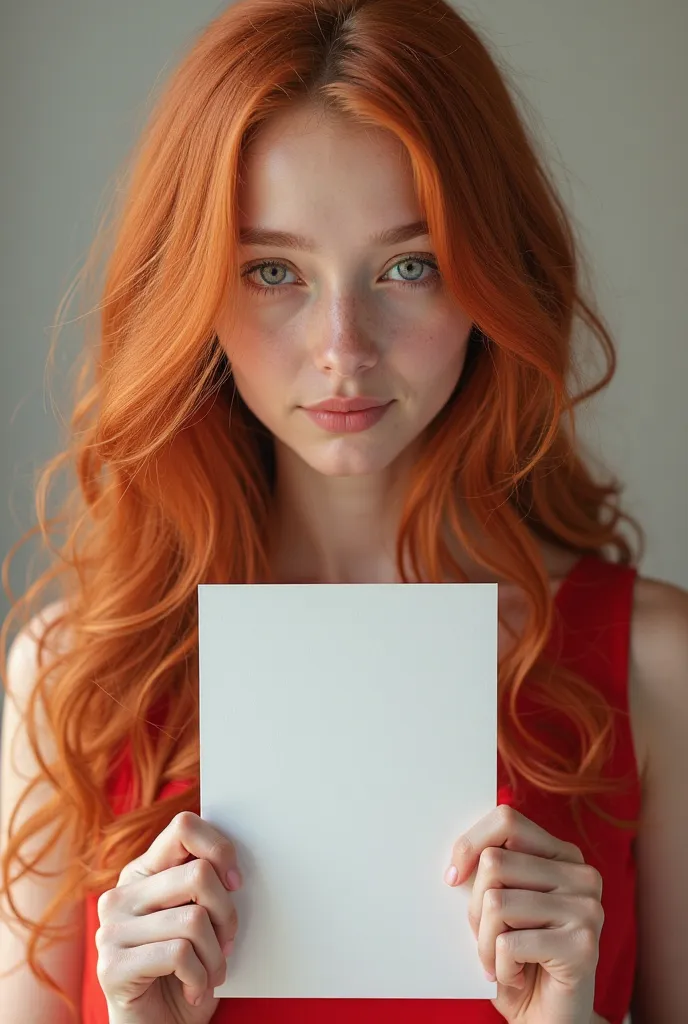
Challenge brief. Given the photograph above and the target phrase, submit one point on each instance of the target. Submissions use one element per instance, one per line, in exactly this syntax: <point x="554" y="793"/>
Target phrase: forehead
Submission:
<point x="320" y="176"/>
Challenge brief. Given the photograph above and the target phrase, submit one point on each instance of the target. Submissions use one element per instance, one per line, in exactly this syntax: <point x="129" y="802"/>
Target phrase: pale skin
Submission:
<point x="345" y="321"/>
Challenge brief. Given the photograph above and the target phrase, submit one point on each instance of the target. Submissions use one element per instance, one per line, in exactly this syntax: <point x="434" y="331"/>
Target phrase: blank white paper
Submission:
<point x="348" y="736"/>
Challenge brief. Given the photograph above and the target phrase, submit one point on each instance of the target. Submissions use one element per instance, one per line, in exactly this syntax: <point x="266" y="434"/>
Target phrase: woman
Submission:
<point x="335" y="345"/>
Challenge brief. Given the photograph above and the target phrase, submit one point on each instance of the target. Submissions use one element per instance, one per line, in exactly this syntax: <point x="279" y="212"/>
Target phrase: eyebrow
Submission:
<point x="287" y="240"/>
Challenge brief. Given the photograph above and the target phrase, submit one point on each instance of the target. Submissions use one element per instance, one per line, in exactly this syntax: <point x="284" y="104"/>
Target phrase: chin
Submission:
<point x="343" y="460"/>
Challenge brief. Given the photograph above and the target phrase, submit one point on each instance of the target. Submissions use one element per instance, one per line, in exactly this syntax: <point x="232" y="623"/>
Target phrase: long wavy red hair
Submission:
<point x="169" y="494"/>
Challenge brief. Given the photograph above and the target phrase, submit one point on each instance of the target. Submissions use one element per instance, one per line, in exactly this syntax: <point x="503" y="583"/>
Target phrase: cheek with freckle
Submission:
<point x="267" y="373"/>
<point x="431" y="363"/>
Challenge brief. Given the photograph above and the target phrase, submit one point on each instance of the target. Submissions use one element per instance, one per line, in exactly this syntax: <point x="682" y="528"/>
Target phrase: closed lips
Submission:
<point x="344" y="405"/>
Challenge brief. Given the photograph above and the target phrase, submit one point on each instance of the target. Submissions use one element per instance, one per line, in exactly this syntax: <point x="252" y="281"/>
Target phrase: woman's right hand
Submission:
<point x="167" y="926"/>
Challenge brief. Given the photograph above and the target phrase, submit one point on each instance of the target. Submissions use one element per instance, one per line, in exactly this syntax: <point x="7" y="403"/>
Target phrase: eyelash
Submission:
<point x="411" y="257"/>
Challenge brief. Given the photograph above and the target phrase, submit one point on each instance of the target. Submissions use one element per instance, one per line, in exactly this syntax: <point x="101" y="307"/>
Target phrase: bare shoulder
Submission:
<point x="17" y="761"/>
<point x="659" y="633"/>
<point x="658" y="677"/>
<point x="31" y="892"/>
<point x="17" y="757"/>
<point x="22" y="657"/>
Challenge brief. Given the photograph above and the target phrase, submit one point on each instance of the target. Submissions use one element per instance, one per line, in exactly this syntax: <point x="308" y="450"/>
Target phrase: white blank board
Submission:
<point x="348" y="736"/>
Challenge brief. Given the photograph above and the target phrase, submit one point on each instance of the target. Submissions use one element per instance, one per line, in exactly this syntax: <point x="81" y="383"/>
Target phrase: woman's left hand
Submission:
<point x="536" y="914"/>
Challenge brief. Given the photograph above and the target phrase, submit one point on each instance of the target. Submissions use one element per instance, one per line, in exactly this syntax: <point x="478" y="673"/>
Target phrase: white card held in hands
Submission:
<point x="348" y="737"/>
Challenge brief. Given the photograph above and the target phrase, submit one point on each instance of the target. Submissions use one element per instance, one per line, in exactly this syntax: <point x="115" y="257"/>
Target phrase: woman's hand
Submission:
<point x="536" y="914"/>
<point x="167" y="926"/>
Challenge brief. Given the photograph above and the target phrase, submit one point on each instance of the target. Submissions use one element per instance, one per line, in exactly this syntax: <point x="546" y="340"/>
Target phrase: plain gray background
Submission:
<point x="607" y="79"/>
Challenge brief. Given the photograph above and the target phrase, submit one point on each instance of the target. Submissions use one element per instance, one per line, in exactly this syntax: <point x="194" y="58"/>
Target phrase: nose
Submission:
<point x="343" y="348"/>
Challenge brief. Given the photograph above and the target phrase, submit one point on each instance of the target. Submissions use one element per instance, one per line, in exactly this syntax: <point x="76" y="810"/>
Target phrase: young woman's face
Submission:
<point x="340" y="314"/>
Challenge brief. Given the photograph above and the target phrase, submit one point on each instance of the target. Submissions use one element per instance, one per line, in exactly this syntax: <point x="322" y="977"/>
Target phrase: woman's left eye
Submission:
<point x="412" y="265"/>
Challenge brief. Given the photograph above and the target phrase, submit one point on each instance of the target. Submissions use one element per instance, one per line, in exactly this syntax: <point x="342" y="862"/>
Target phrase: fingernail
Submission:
<point x="451" y="875"/>
<point x="228" y="947"/>
<point x="490" y="977"/>
<point x="234" y="879"/>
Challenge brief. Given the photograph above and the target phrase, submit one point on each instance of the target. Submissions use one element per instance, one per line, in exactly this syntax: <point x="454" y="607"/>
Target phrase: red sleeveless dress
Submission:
<point x="591" y="637"/>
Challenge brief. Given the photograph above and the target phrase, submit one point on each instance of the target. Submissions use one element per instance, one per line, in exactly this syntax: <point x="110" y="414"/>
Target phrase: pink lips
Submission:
<point x="347" y="415"/>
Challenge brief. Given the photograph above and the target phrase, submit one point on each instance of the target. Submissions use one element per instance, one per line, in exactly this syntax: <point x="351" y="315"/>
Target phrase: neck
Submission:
<point x="329" y="529"/>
